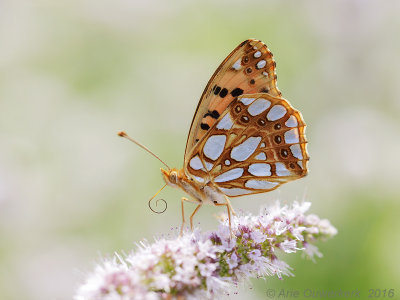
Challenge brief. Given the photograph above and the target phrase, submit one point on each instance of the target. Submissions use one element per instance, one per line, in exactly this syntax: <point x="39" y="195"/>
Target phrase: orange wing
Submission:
<point x="256" y="145"/>
<point x="249" y="69"/>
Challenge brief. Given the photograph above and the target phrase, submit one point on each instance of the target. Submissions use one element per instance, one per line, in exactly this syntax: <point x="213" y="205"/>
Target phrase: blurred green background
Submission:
<point x="73" y="73"/>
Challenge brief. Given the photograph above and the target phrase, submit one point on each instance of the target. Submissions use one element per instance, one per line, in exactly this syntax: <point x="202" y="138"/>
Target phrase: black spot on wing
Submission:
<point x="223" y="93"/>
<point x="204" y="126"/>
<point x="214" y="114"/>
<point x="244" y="42"/>
<point x="237" y="92"/>
<point x="217" y="90"/>
<point x="284" y="153"/>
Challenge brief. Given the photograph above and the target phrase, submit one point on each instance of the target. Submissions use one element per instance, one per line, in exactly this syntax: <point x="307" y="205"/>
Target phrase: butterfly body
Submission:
<point x="203" y="193"/>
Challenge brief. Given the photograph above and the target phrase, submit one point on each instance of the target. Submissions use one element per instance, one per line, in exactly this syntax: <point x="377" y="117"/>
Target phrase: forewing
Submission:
<point x="257" y="144"/>
<point x="249" y="69"/>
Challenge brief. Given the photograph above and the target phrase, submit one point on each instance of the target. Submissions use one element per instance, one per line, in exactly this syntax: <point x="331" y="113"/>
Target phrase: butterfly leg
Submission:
<point x="183" y="213"/>
<point x="230" y="205"/>
<point x="229" y="213"/>
<point x="191" y="217"/>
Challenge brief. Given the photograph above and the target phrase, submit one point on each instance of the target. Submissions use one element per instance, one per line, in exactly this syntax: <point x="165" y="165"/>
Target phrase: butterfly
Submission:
<point x="244" y="138"/>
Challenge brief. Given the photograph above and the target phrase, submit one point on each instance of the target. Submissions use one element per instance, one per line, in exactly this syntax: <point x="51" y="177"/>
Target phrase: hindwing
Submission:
<point x="257" y="143"/>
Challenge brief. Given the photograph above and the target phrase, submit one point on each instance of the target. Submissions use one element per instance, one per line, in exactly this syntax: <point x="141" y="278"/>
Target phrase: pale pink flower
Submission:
<point x="206" y="265"/>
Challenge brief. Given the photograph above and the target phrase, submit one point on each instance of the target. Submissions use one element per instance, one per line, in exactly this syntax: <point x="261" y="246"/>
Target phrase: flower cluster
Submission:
<point x="205" y="265"/>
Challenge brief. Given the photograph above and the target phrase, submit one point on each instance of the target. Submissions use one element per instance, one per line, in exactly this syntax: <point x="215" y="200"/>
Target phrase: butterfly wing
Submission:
<point x="256" y="145"/>
<point x="249" y="69"/>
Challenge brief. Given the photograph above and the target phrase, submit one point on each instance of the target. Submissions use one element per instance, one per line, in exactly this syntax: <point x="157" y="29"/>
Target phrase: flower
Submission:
<point x="289" y="246"/>
<point x="204" y="265"/>
<point x="232" y="261"/>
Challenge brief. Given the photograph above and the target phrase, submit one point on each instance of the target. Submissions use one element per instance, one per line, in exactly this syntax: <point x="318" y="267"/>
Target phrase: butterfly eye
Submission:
<point x="278" y="139"/>
<point x="173" y="177"/>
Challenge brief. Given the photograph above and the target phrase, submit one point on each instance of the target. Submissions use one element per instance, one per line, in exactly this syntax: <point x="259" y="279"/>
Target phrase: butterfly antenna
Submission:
<point x="124" y="135"/>
<point x="165" y="202"/>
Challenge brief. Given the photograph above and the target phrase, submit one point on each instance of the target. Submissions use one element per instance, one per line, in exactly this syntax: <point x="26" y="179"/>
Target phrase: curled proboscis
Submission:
<point x="158" y="212"/>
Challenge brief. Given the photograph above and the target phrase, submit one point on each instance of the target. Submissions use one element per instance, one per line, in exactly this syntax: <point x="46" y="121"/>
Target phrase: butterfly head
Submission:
<point x="171" y="177"/>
